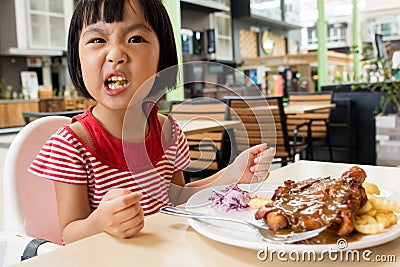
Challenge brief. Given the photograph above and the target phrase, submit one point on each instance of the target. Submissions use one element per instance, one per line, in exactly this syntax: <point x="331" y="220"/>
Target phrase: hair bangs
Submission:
<point x="108" y="11"/>
<point x="88" y="12"/>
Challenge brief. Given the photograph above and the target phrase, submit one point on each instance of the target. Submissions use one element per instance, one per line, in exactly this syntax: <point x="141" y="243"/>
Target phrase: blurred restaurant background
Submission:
<point x="283" y="47"/>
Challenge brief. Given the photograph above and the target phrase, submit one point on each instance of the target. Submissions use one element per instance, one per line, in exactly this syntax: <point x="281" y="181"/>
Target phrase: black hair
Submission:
<point x="92" y="11"/>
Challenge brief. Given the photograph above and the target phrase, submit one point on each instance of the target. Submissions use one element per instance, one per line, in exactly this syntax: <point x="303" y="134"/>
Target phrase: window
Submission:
<point x="337" y="32"/>
<point x="312" y="36"/>
<point x="270" y="9"/>
<point x="224" y="2"/>
<point x="43" y="24"/>
<point x="292" y="11"/>
<point x="388" y="26"/>
<point x="46" y="20"/>
<point x="386" y="29"/>
<point x="221" y="21"/>
<point x="217" y="4"/>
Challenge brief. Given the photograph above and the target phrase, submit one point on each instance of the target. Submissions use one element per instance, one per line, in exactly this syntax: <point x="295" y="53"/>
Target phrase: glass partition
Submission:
<point x="292" y="11"/>
<point x="284" y="11"/>
<point x="270" y="9"/>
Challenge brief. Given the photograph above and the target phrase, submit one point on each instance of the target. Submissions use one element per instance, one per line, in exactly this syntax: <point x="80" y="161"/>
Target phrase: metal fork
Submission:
<point x="265" y="233"/>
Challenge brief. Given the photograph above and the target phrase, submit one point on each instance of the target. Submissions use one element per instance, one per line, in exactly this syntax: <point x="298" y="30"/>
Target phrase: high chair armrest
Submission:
<point x="12" y="246"/>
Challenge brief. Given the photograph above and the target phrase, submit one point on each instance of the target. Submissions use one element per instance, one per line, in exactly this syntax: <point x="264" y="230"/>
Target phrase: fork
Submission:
<point x="265" y="233"/>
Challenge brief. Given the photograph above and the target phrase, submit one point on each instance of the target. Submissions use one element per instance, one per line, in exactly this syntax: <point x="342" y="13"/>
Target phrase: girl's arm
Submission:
<point x="118" y="214"/>
<point x="252" y="165"/>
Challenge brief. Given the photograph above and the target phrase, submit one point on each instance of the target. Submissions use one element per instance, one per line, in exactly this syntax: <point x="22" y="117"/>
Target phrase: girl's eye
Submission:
<point x="136" y="39"/>
<point x="97" y="41"/>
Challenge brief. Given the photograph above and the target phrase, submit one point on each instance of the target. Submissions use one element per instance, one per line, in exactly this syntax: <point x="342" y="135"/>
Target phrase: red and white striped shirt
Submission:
<point x="146" y="166"/>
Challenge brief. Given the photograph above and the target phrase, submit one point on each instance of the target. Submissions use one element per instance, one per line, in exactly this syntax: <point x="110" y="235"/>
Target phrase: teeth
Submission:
<point x="116" y="82"/>
<point x="115" y="78"/>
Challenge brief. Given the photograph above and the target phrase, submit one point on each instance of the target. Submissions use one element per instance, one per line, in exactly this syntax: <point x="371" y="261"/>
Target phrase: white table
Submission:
<point x="170" y="241"/>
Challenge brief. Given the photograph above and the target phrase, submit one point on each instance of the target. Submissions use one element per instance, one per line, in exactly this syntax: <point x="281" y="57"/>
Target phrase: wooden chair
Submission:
<point x="77" y="103"/>
<point x="209" y="151"/>
<point x="264" y="121"/>
<point x="318" y="121"/>
<point x="69" y="104"/>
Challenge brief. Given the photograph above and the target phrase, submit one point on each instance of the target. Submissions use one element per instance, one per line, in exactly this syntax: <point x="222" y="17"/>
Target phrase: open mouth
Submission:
<point x="116" y="82"/>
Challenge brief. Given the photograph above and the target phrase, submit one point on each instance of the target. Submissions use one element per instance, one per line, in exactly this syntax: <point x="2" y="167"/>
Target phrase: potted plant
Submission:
<point x="5" y="90"/>
<point x="383" y="79"/>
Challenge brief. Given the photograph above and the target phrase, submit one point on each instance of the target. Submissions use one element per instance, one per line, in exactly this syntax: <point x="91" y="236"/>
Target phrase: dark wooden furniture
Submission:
<point x="30" y="116"/>
<point x="263" y="125"/>
<point x="317" y="132"/>
<point x="209" y="151"/>
<point x="53" y="104"/>
<point x="11" y="111"/>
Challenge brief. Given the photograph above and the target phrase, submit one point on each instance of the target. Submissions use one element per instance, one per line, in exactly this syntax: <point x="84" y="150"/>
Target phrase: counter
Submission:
<point x="11" y="111"/>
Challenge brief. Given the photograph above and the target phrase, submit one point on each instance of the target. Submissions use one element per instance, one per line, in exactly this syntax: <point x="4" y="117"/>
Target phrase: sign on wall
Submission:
<point x="30" y="84"/>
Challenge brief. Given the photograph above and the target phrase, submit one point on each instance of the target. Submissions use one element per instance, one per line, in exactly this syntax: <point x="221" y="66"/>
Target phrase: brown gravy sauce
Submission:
<point x="314" y="203"/>
<point x="332" y="238"/>
<point x="314" y="207"/>
<point x="325" y="237"/>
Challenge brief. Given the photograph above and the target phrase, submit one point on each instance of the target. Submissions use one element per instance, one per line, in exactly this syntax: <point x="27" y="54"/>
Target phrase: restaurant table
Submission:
<point x="169" y="241"/>
<point x="201" y="126"/>
<point x="299" y="109"/>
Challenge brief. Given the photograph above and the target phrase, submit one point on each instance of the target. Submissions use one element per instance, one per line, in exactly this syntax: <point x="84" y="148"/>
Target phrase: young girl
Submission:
<point x="113" y="48"/>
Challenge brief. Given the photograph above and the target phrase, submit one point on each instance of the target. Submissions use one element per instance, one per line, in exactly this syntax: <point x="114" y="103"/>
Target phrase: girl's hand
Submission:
<point x="254" y="163"/>
<point x="120" y="214"/>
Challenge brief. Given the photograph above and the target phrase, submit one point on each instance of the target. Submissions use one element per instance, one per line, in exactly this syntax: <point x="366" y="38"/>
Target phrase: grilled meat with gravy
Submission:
<point x="313" y="203"/>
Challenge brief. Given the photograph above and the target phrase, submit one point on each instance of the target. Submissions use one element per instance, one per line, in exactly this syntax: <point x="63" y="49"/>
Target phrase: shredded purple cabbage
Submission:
<point x="230" y="198"/>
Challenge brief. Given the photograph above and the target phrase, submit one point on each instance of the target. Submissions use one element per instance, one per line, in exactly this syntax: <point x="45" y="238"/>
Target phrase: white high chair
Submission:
<point x="30" y="209"/>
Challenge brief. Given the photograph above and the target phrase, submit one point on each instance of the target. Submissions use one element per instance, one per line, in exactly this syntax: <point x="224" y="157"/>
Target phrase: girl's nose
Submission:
<point x="116" y="56"/>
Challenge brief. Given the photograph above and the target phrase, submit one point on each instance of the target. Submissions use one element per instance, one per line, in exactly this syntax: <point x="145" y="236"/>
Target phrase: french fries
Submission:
<point x="384" y="204"/>
<point x="371" y="188"/>
<point x="257" y="202"/>
<point x="370" y="229"/>
<point x="377" y="214"/>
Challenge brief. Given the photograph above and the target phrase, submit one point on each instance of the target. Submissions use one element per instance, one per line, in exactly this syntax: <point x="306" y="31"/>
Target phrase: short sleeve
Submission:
<point x="182" y="159"/>
<point x="60" y="159"/>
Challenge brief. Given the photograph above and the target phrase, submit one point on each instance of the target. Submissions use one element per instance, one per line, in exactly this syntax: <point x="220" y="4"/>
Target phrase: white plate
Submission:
<point x="242" y="236"/>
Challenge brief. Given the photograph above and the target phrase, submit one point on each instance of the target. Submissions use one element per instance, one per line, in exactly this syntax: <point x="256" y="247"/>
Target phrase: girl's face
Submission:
<point x="117" y="58"/>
